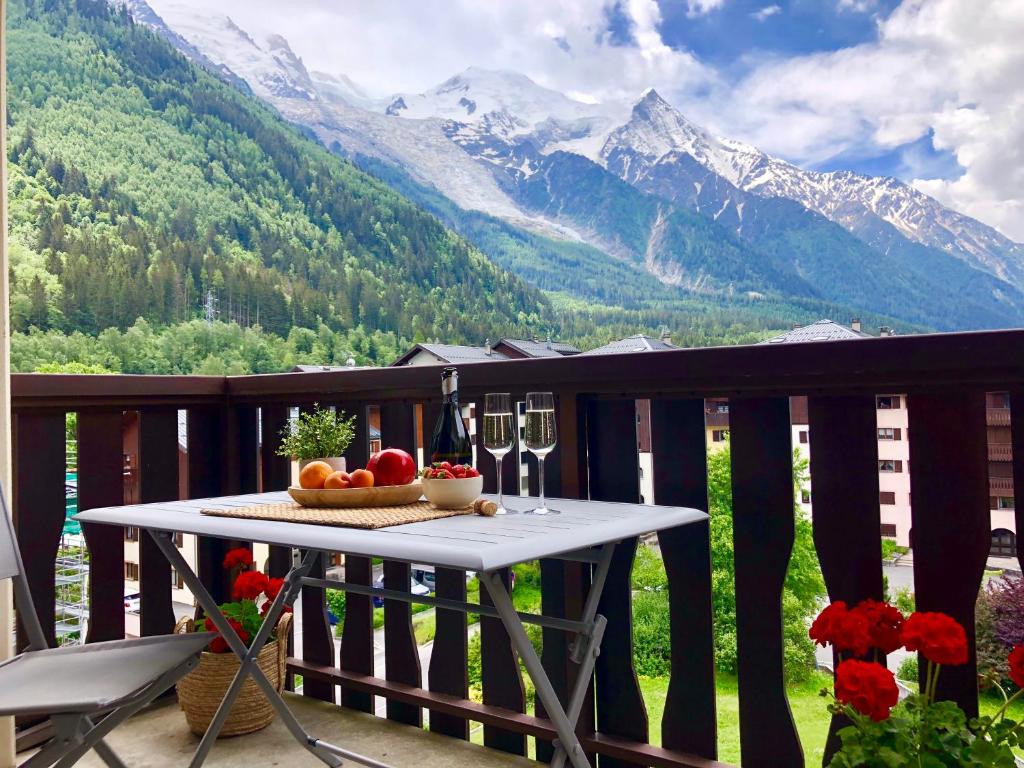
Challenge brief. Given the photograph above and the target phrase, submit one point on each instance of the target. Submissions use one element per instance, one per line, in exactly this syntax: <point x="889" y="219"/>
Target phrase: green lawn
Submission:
<point x="808" y="708"/>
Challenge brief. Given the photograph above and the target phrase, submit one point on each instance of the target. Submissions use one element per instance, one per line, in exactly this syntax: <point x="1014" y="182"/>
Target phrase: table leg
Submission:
<point x="586" y="649"/>
<point x="327" y="753"/>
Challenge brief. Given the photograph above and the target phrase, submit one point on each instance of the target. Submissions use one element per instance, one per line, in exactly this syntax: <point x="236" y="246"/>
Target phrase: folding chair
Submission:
<point x="74" y="685"/>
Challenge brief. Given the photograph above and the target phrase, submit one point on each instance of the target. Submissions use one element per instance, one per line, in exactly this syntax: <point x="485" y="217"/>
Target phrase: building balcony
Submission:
<point x="997" y="417"/>
<point x="233" y="425"/>
<point x="1000" y="452"/>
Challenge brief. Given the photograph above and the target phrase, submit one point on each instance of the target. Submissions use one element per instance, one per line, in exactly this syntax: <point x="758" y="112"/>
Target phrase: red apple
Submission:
<point x="392" y="466"/>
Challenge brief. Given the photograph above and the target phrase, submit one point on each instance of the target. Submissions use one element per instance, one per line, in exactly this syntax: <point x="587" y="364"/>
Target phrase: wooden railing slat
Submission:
<point x="357" y="633"/>
<point x="158" y="481"/>
<point x="844" y="476"/>
<point x="615" y="476"/>
<point x="39" y="507"/>
<point x="101" y="484"/>
<point x="275" y="472"/>
<point x="1017" y="431"/>
<point x="951" y="518"/>
<point x="449" y="672"/>
<point x="763" y="530"/>
<point x="500" y="677"/>
<point x="317" y="637"/>
<point x="205" y="438"/>
<point x="401" y="655"/>
<point x="679" y="461"/>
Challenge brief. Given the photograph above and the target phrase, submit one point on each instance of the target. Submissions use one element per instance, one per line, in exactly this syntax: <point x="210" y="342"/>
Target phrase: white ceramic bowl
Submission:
<point x="453" y="494"/>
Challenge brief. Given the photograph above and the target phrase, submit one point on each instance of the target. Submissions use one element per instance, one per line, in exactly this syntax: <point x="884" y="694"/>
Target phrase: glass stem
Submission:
<point x="540" y="480"/>
<point x="501" y="499"/>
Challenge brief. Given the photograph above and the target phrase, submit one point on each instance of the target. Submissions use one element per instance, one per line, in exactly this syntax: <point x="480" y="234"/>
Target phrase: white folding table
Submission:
<point x="584" y="531"/>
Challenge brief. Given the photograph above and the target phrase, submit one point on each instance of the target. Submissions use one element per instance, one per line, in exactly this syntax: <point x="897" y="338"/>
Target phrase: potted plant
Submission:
<point x="919" y="731"/>
<point x="201" y="691"/>
<point x="318" y="435"/>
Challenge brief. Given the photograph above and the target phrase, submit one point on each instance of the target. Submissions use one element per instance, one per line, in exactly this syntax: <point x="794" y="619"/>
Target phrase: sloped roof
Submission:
<point x="823" y="330"/>
<point x="532" y="348"/>
<point x="321" y="368"/>
<point x="637" y="343"/>
<point x="452" y="353"/>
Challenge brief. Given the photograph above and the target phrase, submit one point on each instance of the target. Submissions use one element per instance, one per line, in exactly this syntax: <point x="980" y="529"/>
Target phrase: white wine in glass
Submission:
<point x="499" y="434"/>
<point x="541" y="436"/>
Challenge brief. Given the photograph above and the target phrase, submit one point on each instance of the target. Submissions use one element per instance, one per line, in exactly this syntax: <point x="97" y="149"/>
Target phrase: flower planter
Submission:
<point x="201" y="691"/>
<point x="337" y="463"/>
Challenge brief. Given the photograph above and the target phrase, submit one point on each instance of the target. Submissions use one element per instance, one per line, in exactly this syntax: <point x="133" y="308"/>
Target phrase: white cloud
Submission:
<point x="766" y="12"/>
<point x="857" y="6"/>
<point x="702" y="7"/>
<point x="944" y="66"/>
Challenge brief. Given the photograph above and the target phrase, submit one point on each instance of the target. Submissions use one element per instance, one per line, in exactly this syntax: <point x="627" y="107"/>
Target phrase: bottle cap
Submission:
<point x="449" y="381"/>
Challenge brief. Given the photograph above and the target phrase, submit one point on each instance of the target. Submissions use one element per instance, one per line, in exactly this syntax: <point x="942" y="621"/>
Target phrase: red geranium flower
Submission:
<point x="266" y="609"/>
<point x="938" y="637"/>
<point x="249" y="585"/>
<point x="867" y="687"/>
<point x="1016" y="661"/>
<point x="884" y="622"/>
<point x="846" y="630"/>
<point x="219" y="644"/>
<point x="236" y="557"/>
<point x="273" y="588"/>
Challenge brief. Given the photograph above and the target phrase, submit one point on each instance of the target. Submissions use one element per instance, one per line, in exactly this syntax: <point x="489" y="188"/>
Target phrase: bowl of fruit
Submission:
<point x="448" y="486"/>
<point x="388" y="480"/>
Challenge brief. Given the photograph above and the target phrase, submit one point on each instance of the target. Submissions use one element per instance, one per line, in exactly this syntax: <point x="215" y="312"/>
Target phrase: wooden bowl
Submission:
<point x="377" y="496"/>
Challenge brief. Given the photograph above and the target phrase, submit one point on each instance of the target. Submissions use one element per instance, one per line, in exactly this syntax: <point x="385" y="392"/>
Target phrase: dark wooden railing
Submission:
<point x="233" y="425"/>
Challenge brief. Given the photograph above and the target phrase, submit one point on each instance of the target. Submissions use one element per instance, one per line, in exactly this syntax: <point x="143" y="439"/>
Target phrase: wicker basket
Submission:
<point x="201" y="691"/>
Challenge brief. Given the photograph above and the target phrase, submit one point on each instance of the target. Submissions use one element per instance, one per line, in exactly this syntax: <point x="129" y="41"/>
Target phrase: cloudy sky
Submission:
<point x="930" y="91"/>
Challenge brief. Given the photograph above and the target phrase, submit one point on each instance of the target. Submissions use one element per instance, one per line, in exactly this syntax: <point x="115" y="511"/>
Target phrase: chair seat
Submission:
<point x="93" y="677"/>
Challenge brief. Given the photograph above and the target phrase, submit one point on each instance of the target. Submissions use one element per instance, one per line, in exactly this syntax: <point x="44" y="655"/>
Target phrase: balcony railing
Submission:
<point x="233" y="425"/>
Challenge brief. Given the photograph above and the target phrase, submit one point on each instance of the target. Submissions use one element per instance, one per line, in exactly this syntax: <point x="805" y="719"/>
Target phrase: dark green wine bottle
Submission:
<point x="450" y="441"/>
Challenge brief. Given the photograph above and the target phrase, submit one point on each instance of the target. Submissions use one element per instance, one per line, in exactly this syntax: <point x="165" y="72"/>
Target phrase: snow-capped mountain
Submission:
<point x="501" y="144"/>
<point x="657" y="134"/>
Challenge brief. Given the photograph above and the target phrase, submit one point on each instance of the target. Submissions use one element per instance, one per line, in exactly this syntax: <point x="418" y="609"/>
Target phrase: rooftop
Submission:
<point x="537" y="348"/>
<point x="452" y="353"/>
<point x="823" y="330"/>
<point x="637" y="343"/>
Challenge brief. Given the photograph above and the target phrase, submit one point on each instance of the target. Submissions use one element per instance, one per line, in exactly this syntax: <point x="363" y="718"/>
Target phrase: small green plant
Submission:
<point x="317" y="434"/>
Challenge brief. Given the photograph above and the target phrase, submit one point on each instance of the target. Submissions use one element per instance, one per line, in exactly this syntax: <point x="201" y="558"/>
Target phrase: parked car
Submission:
<point x="132" y="601"/>
<point x="414" y="586"/>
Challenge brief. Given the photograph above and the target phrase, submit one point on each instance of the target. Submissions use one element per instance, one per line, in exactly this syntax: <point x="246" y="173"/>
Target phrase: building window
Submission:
<point x="721" y="407"/>
<point x="886" y="497"/>
<point x="1004" y="502"/>
<point x="890" y="465"/>
<point x="719" y="435"/>
<point x="131" y="534"/>
<point x="889" y="530"/>
<point x="177" y="582"/>
<point x="803" y="436"/>
<point x="1004" y="543"/>
<point x="179" y="540"/>
<point x="888" y="402"/>
<point x="889" y="433"/>
<point x="805" y="496"/>
<point x="131" y="571"/>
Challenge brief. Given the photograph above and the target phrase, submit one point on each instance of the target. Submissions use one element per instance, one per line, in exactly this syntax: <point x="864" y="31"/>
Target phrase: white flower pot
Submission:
<point x="337" y="463"/>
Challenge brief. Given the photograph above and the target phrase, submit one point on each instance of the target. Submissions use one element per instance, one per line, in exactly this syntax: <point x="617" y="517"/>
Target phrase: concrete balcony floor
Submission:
<point x="159" y="738"/>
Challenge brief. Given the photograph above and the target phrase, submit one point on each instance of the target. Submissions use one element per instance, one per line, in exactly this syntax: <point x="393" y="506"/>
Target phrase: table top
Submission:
<point x="469" y="542"/>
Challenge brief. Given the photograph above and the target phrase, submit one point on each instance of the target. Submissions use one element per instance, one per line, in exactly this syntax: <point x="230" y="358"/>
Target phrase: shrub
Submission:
<point x="648" y="570"/>
<point x="904" y="600"/>
<point x="999" y="623"/>
<point x="907" y="669"/>
<point x="651" y="634"/>
<point x="317" y="434"/>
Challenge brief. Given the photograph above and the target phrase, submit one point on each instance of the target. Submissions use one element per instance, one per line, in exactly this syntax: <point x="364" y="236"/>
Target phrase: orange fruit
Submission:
<point x="362" y="478"/>
<point x="314" y="474"/>
<point x="338" y="479"/>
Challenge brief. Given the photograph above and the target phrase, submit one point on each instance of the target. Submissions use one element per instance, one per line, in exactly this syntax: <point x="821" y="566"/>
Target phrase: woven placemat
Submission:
<point x="354" y="517"/>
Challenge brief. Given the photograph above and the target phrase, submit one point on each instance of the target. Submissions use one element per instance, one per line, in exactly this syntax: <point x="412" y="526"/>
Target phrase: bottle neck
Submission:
<point x="451" y="397"/>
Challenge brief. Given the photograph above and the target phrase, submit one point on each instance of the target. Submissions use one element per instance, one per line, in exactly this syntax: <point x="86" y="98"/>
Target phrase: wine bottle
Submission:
<point x="450" y="441"/>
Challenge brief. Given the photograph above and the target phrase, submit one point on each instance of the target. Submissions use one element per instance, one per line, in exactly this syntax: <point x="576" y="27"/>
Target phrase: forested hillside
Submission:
<point x="140" y="186"/>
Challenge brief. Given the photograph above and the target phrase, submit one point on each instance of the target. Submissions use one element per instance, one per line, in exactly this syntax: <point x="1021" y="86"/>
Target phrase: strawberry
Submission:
<point x="445" y="475"/>
<point x="472" y="472"/>
<point x="459" y="471"/>
<point x="446" y="465"/>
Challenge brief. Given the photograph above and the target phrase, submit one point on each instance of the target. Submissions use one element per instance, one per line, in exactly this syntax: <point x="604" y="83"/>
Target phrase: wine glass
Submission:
<point x="540" y="437"/>
<point x="499" y="434"/>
